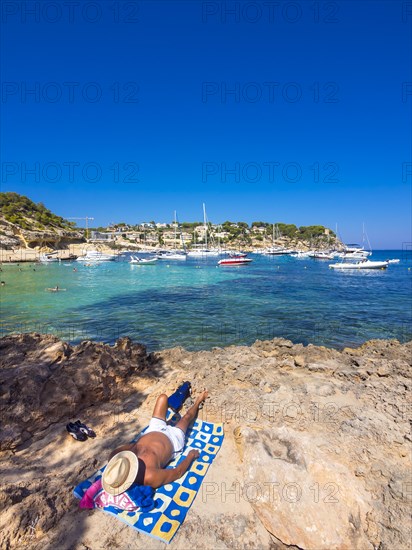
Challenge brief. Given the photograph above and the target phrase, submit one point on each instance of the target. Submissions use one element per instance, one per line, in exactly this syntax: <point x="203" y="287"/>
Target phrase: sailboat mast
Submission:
<point x="204" y="223"/>
<point x="175" y="229"/>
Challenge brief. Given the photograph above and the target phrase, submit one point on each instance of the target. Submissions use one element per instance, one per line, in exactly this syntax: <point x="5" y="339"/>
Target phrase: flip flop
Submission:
<point x="75" y="432"/>
<point x="85" y="429"/>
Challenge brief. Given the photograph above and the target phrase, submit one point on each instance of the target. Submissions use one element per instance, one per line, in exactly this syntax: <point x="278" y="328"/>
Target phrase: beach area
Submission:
<point x="316" y="452"/>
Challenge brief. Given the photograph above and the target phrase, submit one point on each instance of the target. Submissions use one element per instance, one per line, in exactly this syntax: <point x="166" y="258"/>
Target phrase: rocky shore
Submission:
<point x="317" y="449"/>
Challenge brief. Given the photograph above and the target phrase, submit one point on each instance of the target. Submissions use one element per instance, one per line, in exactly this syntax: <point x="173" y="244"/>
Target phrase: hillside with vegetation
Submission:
<point x="26" y="224"/>
<point x="258" y="234"/>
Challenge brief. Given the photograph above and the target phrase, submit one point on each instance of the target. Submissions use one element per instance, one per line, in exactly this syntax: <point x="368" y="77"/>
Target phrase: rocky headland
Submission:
<point x="317" y="449"/>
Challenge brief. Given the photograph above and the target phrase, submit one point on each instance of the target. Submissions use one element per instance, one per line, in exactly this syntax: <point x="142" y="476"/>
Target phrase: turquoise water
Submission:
<point x="197" y="305"/>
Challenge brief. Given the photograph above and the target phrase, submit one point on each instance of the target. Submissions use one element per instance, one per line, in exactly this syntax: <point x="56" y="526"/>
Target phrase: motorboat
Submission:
<point x="96" y="256"/>
<point x="393" y="261"/>
<point x="234" y="253"/>
<point x="301" y="255"/>
<point x="48" y="257"/>
<point x="142" y="261"/>
<point x="321" y="255"/>
<point x="172" y="255"/>
<point x="277" y="251"/>
<point x="234" y="260"/>
<point x="203" y="253"/>
<point x="365" y="264"/>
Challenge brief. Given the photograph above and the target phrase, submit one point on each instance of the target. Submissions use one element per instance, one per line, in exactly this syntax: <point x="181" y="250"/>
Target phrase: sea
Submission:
<point x="197" y="305"/>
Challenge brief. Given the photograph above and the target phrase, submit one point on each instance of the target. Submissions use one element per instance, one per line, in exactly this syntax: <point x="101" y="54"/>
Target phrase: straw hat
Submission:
<point x="120" y="473"/>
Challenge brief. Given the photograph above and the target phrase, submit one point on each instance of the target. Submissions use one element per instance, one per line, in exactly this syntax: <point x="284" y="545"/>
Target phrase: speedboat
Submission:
<point x="96" y="256"/>
<point x="365" y="264"/>
<point x="234" y="260"/>
<point x="393" y="261"/>
<point x="142" y="261"/>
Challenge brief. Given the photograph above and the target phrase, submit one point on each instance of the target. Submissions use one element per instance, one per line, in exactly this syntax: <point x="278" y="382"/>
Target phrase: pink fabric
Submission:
<point x="96" y="497"/>
<point x="88" y="498"/>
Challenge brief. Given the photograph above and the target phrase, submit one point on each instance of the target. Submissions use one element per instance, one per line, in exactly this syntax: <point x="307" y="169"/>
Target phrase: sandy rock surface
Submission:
<point x="317" y="449"/>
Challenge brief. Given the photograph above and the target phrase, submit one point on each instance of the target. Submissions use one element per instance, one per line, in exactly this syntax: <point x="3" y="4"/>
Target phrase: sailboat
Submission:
<point x="174" y="254"/>
<point x="204" y="251"/>
<point x="357" y="252"/>
<point x="276" y="250"/>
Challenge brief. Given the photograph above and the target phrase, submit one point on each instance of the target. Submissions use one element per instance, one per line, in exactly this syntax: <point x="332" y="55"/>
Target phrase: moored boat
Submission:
<point x="142" y="261"/>
<point x="321" y="255"/>
<point x="234" y="260"/>
<point x="45" y="258"/>
<point x="172" y="255"/>
<point x="96" y="256"/>
<point x="365" y="264"/>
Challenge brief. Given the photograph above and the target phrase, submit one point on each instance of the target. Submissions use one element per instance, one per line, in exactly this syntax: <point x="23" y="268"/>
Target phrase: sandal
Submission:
<point x="75" y="432"/>
<point x="85" y="429"/>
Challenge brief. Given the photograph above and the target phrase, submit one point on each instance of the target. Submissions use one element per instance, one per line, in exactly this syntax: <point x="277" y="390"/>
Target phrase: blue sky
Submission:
<point x="298" y="112"/>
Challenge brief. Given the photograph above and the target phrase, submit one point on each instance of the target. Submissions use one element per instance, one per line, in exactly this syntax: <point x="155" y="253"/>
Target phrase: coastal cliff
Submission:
<point x="26" y="225"/>
<point x="317" y="449"/>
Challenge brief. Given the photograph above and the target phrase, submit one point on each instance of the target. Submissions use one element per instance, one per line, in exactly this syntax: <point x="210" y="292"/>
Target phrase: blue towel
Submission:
<point x="172" y="501"/>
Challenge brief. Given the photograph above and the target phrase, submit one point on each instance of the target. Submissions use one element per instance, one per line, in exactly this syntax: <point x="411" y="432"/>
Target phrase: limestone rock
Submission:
<point x="314" y="457"/>
<point x="44" y="381"/>
<point x="301" y="495"/>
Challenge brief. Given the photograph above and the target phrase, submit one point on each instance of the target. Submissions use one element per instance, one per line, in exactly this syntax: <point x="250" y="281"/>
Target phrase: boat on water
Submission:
<point x="96" y="256"/>
<point x="46" y="258"/>
<point x="171" y="255"/>
<point x="203" y="250"/>
<point x="175" y="254"/>
<point x="394" y="261"/>
<point x="142" y="261"/>
<point x="365" y="264"/>
<point x="277" y="251"/>
<point x="233" y="253"/>
<point x="234" y="260"/>
<point x="321" y="255"/>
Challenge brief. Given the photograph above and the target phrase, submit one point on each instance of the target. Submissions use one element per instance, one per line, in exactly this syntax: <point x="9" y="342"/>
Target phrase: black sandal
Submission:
<point x="75" y="432"/>
<point x="85" y="429"/>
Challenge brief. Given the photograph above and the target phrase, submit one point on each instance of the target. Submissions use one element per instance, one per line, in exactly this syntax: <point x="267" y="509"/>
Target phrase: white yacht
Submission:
<point x="171" y="255"/>
<point x="203" y="252"/>
<point x="96" y="256"/>
<point x="321" y="255"/>
<point x="142" y="261"/>
<point x="46" y="258"/>
<point x="364" y="264"/>
<point x="354" y="252"/>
